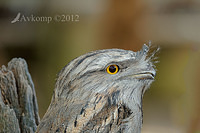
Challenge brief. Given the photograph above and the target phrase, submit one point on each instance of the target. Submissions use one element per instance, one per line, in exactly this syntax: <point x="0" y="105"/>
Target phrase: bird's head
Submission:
<point x="123" y="74"/>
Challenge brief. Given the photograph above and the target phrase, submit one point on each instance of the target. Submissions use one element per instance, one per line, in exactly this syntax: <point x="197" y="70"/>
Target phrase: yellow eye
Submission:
<point x="112" y="69"/>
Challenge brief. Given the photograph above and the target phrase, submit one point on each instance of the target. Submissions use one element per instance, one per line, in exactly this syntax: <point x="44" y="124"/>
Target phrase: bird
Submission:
<point x="101" y="92"/>
<point x="16" y="18"/>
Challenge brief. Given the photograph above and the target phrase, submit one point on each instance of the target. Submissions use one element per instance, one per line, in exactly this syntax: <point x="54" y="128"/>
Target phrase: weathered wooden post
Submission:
<point x="18" y="102"/>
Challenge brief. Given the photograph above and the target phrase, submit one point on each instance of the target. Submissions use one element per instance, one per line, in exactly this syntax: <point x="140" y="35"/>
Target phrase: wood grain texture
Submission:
<point x="18" y="102"/>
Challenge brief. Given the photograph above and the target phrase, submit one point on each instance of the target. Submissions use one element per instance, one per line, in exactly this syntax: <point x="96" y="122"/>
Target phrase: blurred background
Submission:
<point x="172" y="105"/>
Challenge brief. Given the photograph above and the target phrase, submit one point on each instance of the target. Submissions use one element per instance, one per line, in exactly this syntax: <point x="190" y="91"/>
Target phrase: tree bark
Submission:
<point x="18" y="102"/>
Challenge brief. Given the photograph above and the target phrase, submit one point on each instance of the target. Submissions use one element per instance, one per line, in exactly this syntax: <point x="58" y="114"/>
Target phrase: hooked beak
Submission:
<point x="150" y="75"/>
<point x="145" y="75"/>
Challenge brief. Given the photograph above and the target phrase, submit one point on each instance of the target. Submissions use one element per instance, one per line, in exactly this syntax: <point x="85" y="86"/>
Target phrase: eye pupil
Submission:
<point x="112" y="68"/>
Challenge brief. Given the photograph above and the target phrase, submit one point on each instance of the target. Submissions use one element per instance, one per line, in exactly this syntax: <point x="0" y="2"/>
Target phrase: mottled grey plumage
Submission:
<point x="88" y="99"/>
